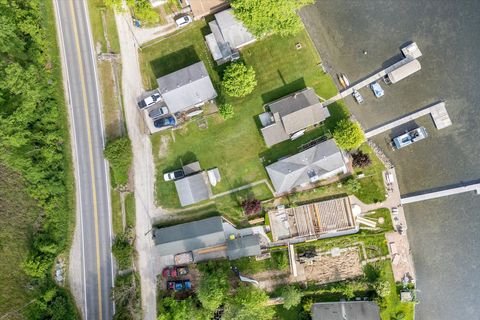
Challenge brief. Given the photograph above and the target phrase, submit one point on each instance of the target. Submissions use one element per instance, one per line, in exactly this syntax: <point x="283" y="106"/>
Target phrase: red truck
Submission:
<point x="173" y="272"/>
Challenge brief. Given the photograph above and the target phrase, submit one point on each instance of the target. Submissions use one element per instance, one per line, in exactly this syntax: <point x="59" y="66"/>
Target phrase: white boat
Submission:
<point x="410" y="137"/>
<point x="340" y="79"/>
<point x="345" y="80"/>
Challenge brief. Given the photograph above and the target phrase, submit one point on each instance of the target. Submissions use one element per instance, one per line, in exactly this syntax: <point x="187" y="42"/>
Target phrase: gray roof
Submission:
<point x="346" y="310"/>
<point x="227" y="33"/>
<point x="190" y="236"/>
<point x="186" y="87"/>
<point x="192" y="189"/>
<point x="243" y="247"/>
<point x="293" y="113"/>
<point x="320" y="162"/>
<point x="232" y="29"/>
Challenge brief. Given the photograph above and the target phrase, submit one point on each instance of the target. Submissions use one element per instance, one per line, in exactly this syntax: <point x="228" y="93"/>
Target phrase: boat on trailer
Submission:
<point x="409" y="137"/>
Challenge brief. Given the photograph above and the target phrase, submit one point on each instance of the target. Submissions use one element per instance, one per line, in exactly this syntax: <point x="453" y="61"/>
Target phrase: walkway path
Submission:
<point x="247" y="186"/>
<point x="442" y="193"/>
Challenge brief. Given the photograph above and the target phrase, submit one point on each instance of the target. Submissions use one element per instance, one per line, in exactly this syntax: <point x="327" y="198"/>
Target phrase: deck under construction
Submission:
<point x="312" y="220"/>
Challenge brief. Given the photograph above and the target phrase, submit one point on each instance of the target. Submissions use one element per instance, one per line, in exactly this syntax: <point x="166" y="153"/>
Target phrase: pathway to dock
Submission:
<point x="442" y="193"/>
<point x="438" y="112"/>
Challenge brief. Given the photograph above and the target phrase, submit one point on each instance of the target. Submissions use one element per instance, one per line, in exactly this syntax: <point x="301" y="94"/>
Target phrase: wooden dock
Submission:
<point x="442" y="193"/>
<point x="365" y="82"/>
<point x="438" y="112"/>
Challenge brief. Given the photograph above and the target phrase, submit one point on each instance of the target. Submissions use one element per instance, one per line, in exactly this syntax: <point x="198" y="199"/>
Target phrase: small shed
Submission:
<point x="404" y="71"/>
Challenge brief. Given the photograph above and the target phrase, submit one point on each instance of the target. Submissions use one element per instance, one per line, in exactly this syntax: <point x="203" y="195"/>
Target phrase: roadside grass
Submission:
<point x="95" y="9"/>
<point x="130" y="209"/>
<point x="235" y="145"/>
<point x="18" y="213"/>
<point x="116" y="212"/>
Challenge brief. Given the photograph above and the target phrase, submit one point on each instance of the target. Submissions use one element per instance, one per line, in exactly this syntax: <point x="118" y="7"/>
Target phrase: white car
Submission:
<point x="358" y="97"/>
<point x="377" y="89"/>
<point x="174" y="175"/>
<point x="183" y="21"/>
<point x="149" y="101"/>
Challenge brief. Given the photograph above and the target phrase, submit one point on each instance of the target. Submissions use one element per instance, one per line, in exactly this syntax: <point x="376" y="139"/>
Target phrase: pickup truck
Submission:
<point x="173" y="272"/>
<point x="179" y="285"/>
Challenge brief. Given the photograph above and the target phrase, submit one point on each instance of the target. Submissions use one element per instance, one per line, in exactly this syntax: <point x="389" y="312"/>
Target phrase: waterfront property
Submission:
<point x="320" y="162"/>
<point x="346" y="310"/>
<point x="286" y="117"/>
<point x="227" y="37"/>
<point x="186" y="88"/>
<point x="205" y="239"/>
<point x="313" y="221"/>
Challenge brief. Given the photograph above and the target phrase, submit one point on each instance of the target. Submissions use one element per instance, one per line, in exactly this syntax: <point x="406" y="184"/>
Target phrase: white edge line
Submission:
<point x="107" y="180"/>
<point x="68" y="96"/>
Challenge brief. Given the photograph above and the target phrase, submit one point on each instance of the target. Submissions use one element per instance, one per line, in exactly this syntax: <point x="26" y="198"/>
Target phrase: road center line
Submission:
<point x="90" y="154"/>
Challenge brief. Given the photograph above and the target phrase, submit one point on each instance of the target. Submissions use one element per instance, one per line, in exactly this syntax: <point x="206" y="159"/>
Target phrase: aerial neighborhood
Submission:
<point x="237" y="160"/>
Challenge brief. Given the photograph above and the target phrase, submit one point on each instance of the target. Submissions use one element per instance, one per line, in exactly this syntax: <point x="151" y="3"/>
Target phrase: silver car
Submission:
<point x="358" y="97"/>
<point x="157" y="112"/>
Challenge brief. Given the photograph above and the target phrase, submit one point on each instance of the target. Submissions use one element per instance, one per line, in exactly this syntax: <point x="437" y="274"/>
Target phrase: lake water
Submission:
<point x="444" y="232"/>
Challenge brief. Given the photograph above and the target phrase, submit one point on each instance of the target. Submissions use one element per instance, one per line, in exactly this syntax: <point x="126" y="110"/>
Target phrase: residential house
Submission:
<point x="205" y="239"/>
<point x="320" y="162"/>
<point x="202" y="8"/>
<point x="291" y="114"/>
<point x="186" y="88"/>
<point x="227" y="37"/>
<point x="346" y="310"/>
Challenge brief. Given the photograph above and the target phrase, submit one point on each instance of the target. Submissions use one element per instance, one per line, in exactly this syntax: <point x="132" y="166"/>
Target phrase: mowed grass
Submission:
<point x="235" y="145"/>
<point x="17" y="217"/>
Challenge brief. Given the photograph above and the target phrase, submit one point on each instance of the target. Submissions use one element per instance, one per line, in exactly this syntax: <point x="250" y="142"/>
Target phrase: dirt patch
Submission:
<point x="326" y="269"/>
<point x="164" y="143"/>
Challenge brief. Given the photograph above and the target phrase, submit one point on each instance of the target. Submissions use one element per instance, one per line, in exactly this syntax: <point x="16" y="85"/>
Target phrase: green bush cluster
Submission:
<point x="119" y="154"/>
<point x="226" y="111"/>
<point x="122" y="249"/>
<point x="348" y="134"/>
<point x="34" y="140"/>
<point x="238" y="80"/>
<point x="142" y="9"/>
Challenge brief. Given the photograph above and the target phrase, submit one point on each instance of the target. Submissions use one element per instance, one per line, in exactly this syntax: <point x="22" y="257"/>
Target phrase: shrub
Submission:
<point x="226" y="111"/>
<point x="119" y="154"/>
<point x="291" y="296"/>
<point x="144" y="12"/>
<point x="280" y="260"/>
<point x="238" y="80"/>
<point x="382" y="288"/>
<point x="122" y="249"/>
<point x="353" y="185"/>
<point x="348" y="134"/>
<point x="251" y="206"/>
<point x="361" y="160"/>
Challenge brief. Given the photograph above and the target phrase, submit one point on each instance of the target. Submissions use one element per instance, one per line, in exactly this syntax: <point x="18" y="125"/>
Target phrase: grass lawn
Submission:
<point x="236" y="145"/>
<point x="117" y="223"/>
<point x="17" y="217"/>
<point x="130" y="209"/>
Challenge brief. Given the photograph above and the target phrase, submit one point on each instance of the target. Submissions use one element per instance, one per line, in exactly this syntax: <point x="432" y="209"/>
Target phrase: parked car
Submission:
<point x="377" y="89"/>
<point x="179" y="285"/>
<point x="165" y="122"/>
<point x="183" y="21"/>
<point x="358" y="97"/>
<point x="173" y="272"/>
<point x="149" y="101"/>
<point x="174" y="175"/>
<point x="158" y="112"/>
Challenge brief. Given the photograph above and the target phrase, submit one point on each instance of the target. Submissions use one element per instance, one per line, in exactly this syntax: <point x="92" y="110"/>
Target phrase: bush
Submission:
<point x="226" y="111"/>
<point x="361" y="160"/>
<point x="353" y="185"/>
<point x="144" y="12"/>
<point x="238" y="80"/>
<point x="279" y="260"/>
<point x="119" y="154"/>
<point x="348" y="134"/>
<point x="382" y="288"/>
<point x="122" y="249"/>
<point x="291" y="296"/>
<point x="251" y="206"/>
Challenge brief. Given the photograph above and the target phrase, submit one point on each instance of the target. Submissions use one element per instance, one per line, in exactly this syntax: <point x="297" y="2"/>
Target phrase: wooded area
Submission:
<point x="34" y="141"/>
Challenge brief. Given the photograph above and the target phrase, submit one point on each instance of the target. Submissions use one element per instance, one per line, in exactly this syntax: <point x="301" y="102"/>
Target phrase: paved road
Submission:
<point x="91" y="173"/>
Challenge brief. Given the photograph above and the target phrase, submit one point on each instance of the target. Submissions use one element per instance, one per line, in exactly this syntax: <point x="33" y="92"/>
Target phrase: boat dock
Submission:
<point x="442" y="193"/>
<point x="438" y="111"/>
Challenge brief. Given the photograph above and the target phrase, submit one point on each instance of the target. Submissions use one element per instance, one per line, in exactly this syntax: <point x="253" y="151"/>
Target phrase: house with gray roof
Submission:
<point x="346" y="310"/>
<point x="193" y="188"/>
<point x="190" y="236"/>
<point x="228" y="35"/>
<point x="322" y="161"/>
<point x="245" y="246"/>
<point x="291" y="114"/>
<point x="186" y="88"/>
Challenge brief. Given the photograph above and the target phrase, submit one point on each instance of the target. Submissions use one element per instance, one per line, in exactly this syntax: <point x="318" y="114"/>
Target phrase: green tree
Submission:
<point x="119" y="154"/>
<point x="212" y="289"/>
<point x="246" y="304"/>
<point x="226" y="111"/>
<point x="144" y="12"/>
<point x="238" y="80"/>
<point x="114" y="4"/>
<point x="171" y="309"/>
<point x="348" y="134"/>
<point x="291" y="296"/>
<point x="262" y="17"/>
